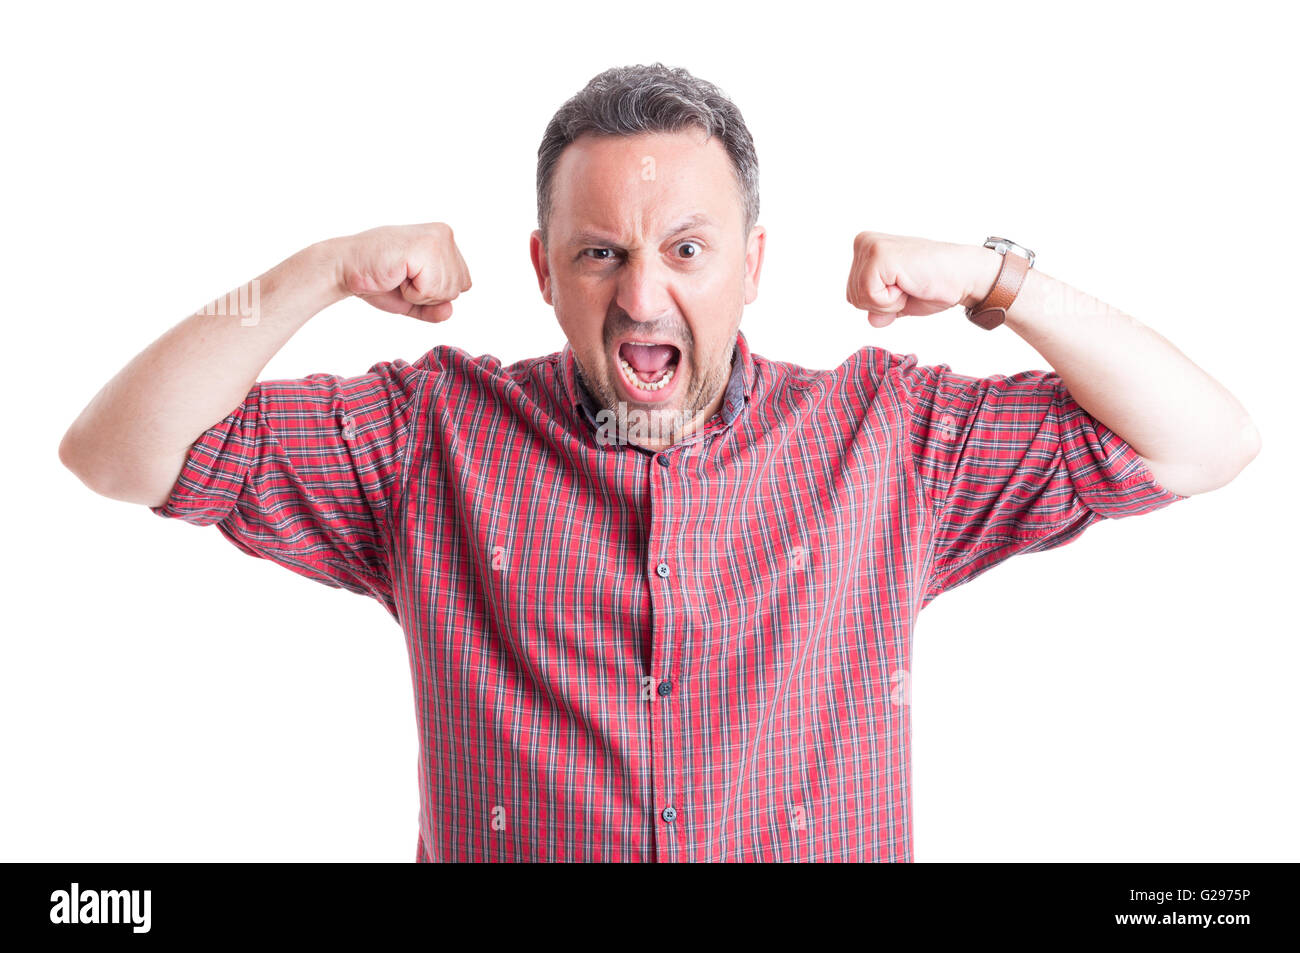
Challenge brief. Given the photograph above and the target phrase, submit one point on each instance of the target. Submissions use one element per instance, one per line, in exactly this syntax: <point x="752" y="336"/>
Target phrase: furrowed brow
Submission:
<point x="698" y="220"/>
<point x="589" y="236"/>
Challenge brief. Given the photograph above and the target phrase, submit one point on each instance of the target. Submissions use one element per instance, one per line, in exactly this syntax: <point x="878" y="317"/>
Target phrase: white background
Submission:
<point x="1130" y="696"/>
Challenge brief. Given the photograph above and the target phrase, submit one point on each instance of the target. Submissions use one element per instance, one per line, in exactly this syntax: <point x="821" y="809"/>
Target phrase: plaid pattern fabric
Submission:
<point x="694" y="655"/>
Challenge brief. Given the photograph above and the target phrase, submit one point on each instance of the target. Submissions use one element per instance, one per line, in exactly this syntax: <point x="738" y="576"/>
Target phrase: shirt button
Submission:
<point x="662" y="459"/>
<point x="662" y="569"/>
<point x="665" y="688"/>
<point x="669" y="814"/>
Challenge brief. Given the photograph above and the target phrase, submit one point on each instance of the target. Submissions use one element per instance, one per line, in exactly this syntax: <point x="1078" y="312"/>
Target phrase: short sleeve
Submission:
<point x="1012" y="464"/>
<point x="304" y="473"/>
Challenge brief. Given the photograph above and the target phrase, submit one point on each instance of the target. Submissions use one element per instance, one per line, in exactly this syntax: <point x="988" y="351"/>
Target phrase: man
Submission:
<point x="658" y="590"/>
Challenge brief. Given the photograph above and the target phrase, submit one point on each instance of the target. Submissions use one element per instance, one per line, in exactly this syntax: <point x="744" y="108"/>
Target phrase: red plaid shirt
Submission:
<point x="694" y="655"/>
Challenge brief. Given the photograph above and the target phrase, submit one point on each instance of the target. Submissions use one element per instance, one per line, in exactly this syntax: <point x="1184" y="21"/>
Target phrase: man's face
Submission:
<point x="645" y="246"/>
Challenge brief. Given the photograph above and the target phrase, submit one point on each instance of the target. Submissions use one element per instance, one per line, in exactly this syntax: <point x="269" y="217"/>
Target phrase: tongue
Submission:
<point x="648" y="362"/>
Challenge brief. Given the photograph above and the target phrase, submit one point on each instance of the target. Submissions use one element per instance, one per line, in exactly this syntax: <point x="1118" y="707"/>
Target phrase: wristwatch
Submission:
<point x="992" y="311"/>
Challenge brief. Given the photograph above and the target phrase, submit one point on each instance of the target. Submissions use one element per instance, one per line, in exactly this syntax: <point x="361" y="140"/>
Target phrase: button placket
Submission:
<point x="665" y="598"/>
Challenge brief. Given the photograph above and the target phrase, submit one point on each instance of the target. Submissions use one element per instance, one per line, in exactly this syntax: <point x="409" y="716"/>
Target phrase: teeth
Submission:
<point x="636" y="382"/>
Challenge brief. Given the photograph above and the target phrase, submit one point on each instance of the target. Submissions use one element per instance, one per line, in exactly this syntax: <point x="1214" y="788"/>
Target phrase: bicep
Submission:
<point x="1012" y="464"/>
<point x="303" y="474"/>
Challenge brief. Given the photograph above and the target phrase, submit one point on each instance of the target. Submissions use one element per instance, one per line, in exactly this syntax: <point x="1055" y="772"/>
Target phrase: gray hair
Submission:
<point x="630" y="100"/>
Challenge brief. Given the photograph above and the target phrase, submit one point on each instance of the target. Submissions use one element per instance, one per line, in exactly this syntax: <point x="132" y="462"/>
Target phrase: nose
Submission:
<point x="643" y="289"/>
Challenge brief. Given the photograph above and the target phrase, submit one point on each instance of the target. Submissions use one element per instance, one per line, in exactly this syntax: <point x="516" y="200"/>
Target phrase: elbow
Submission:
<point x="76" y="457"/>
<point x="1248" y="447"/>
<point x="1252" y="443"/>
<point x="88" y="464"/>
<point x="1190" y="478"/>
<point x="71" y="456"/>
<point x="65" y="450"/>
<point x="107" y="474"/>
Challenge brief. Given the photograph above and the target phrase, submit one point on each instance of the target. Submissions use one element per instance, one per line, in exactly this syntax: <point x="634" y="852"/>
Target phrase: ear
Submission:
<point x="754" y="261"/>
<point x="538" y="252"/>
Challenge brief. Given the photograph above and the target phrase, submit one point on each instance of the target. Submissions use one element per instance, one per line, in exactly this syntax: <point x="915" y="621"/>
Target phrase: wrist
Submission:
<point x="324" y="261"/>
<point x="305" y="283"/>
<point x="983" y="267"/>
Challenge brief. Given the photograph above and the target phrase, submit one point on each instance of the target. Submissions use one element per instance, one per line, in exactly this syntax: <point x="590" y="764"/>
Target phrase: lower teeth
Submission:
<point x="659" y="384"/>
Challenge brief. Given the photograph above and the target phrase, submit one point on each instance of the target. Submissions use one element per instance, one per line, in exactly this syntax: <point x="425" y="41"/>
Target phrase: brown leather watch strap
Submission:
<point x="992" y="311"/>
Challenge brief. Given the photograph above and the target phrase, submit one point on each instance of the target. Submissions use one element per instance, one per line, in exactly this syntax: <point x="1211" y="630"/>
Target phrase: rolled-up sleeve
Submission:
<point x="1012" y="464"/>
<point x="305" y="472"/>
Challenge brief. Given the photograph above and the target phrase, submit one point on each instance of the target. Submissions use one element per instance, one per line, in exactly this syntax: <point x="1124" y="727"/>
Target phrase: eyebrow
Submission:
<point x="591" y="236"/>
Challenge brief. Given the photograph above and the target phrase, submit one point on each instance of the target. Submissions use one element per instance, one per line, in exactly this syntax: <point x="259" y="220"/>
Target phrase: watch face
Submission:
<point x="1004" y="245"/>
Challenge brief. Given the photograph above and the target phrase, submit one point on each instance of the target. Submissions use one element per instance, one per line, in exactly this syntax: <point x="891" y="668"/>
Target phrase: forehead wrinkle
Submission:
<point x="594" y="236"/>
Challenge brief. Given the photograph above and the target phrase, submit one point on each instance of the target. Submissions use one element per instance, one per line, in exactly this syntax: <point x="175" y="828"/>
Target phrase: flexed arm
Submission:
<point x="1192" y="433"/>
<point x="131" y="441"/>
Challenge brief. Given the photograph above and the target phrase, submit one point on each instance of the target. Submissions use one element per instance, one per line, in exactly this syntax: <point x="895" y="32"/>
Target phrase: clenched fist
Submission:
<point x="414" y="270"/>
<point x="896" y="275"/>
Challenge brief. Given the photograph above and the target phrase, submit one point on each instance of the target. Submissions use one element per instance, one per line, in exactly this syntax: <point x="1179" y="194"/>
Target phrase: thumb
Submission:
<point x="414" y="295"/>
<point x="887" y="299"/>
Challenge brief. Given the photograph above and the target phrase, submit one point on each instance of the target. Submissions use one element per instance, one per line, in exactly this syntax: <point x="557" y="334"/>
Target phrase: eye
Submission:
<point x="609" y="257"/>
<point x="691" y="244"/>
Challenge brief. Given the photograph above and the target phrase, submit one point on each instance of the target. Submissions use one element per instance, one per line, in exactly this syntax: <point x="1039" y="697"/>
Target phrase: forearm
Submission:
<point x="1193" y="433"/>
<point x="131" y="440"/>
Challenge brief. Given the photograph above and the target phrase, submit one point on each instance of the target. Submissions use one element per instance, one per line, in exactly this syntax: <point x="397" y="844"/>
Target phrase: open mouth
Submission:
<point x="648" y="367"/>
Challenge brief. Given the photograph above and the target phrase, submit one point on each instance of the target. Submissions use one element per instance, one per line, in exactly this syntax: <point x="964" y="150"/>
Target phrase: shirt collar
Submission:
<point x="740" y="386"/>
